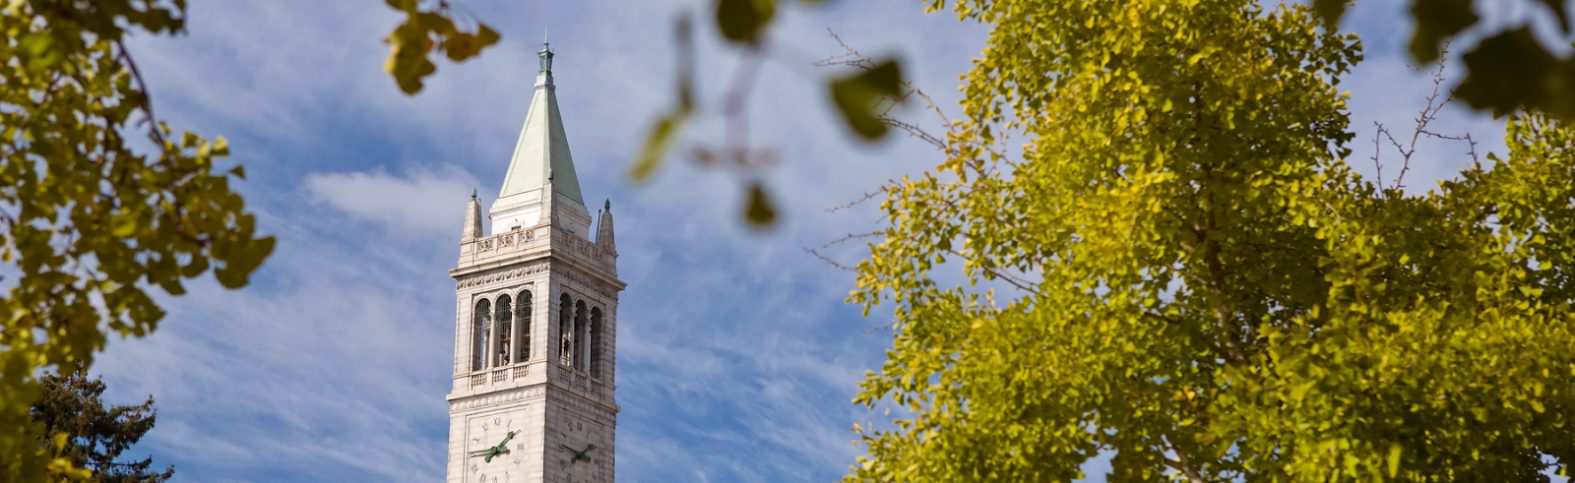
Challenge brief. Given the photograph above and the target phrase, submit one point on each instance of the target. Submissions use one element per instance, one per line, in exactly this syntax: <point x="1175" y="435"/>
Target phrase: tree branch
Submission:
<point x="828" y="260"/>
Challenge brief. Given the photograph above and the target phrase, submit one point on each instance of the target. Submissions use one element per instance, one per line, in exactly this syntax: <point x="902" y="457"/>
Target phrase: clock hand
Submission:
<point x="503" y="446"/>
<point x="579" y="454"/>
<point x="494" y="450"/>
<point x="571" y="449"/>
<point x="490" y="449"/>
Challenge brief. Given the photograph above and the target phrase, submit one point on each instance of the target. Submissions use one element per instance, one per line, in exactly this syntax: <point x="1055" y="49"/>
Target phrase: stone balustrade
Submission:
<point x="526" y="240"/>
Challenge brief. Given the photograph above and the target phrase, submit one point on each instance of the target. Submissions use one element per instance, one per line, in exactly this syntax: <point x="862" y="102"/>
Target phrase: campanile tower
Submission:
<point x="535" y="328"/>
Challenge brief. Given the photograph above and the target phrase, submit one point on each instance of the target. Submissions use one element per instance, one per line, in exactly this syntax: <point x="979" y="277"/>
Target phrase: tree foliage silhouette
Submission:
<point x="96" y="435"/>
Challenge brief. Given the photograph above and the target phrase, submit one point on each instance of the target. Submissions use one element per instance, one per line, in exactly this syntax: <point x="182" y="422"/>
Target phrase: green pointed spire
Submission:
<point x="541" y="157"/>
<point x="473" y="194"/>
<point x="609" y="205"/>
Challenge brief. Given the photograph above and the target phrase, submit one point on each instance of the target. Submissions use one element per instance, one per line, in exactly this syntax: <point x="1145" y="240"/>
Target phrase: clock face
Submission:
<point x="494" y="445"/>
<point x="582" y="451"/>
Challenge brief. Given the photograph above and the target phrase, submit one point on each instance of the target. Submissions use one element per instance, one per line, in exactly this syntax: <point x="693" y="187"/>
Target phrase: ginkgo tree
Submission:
<point x="91" y="226"/>
<point x="1180" y="271"/>
<point x="1509" y="62"/>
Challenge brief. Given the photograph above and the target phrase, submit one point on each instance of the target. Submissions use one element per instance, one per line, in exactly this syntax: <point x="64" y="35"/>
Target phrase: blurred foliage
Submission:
<point x="862" y="98"/>
<point x="424" y="33"/>
<point x="96" y="435"/>
<point x="89" y="224"/>
<point x="1200" y="286"/>
<point x="857" y="94"/>
<point x="1508" y="71"/>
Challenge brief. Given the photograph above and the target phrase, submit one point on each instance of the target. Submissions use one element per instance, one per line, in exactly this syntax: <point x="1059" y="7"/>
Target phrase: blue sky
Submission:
<point x="737" y="357"/>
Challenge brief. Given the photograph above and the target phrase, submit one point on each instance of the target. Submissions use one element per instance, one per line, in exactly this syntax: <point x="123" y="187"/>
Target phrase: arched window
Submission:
<point x="596" y="342"/>
<point x="522" y="315"/>
<point x="482" y="326"/>
<point x="579" y="334"/>
<point x="565" y="332"/>
<point x="505" y="330"/>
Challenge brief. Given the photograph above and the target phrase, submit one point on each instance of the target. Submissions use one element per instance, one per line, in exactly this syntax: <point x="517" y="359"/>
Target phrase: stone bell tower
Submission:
<point x="535" y="332"/>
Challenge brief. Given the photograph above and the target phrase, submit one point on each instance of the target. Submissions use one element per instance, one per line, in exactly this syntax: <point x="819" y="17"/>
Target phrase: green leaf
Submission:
<point x="1393" y="460"/>
<point x="1510" y="71"/>
<point x="1329" y="11"/>
<point x="759" y="210"/>
<point x="857" y="97"/>
<point x="412" y="42"/>
<point x="742" y="21"/>
<point x="1435" y="21"/>
<point x="657" y="144"/>
<point x="124" y="225"/>
<point x="459" y="47"/>
<point x="486" y="37"/>
<point x="405" y="5"/>
<point x="462" y="46"/>
<point x="238" y="267"/>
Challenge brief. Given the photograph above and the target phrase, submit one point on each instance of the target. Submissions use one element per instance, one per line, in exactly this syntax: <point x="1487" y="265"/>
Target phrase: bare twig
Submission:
<point x="915" y="131"/>
<point x="1019" y="282"/>
<point x="851" y="236"/>
<point x="862" y="199"/>
<point x="1436" y="100"/>
<point x="856" y="59"/>
<point x="828" y="260"/>
<point x="1378" y="150"/>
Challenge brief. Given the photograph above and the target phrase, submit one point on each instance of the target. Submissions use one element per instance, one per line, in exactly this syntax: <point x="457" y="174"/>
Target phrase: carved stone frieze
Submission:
<point x="504" y="275"/>
<point x="586" y="283"/>
<point x="497" y="397"/>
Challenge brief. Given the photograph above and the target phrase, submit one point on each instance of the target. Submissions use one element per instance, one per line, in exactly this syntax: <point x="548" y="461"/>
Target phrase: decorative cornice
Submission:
<point x="584" y="282"/>
<point x="606" y="412"/>
<point x="529" y="268"/>
<point x="581" y="281"/>
<point x="531" y="392"/>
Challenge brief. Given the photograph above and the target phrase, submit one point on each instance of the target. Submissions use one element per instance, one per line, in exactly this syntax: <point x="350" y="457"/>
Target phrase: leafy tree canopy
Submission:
<point x="91" y="225"/>
<point x="1201" y="286"/>
<point x="1509" y="71"/>
<point x="96" y="435"/>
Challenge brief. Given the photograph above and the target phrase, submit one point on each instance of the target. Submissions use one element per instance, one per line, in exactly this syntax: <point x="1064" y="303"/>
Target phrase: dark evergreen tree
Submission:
<point x="96" y="434"/>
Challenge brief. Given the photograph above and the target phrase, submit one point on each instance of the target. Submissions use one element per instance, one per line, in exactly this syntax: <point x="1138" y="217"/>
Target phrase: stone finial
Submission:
<point x="472" y="219"/>
<point x="604" y="229"/>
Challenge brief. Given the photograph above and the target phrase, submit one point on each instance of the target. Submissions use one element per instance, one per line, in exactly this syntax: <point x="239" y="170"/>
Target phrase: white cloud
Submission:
<point x="737" y="358"/>
<point x="422" y="203"/>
